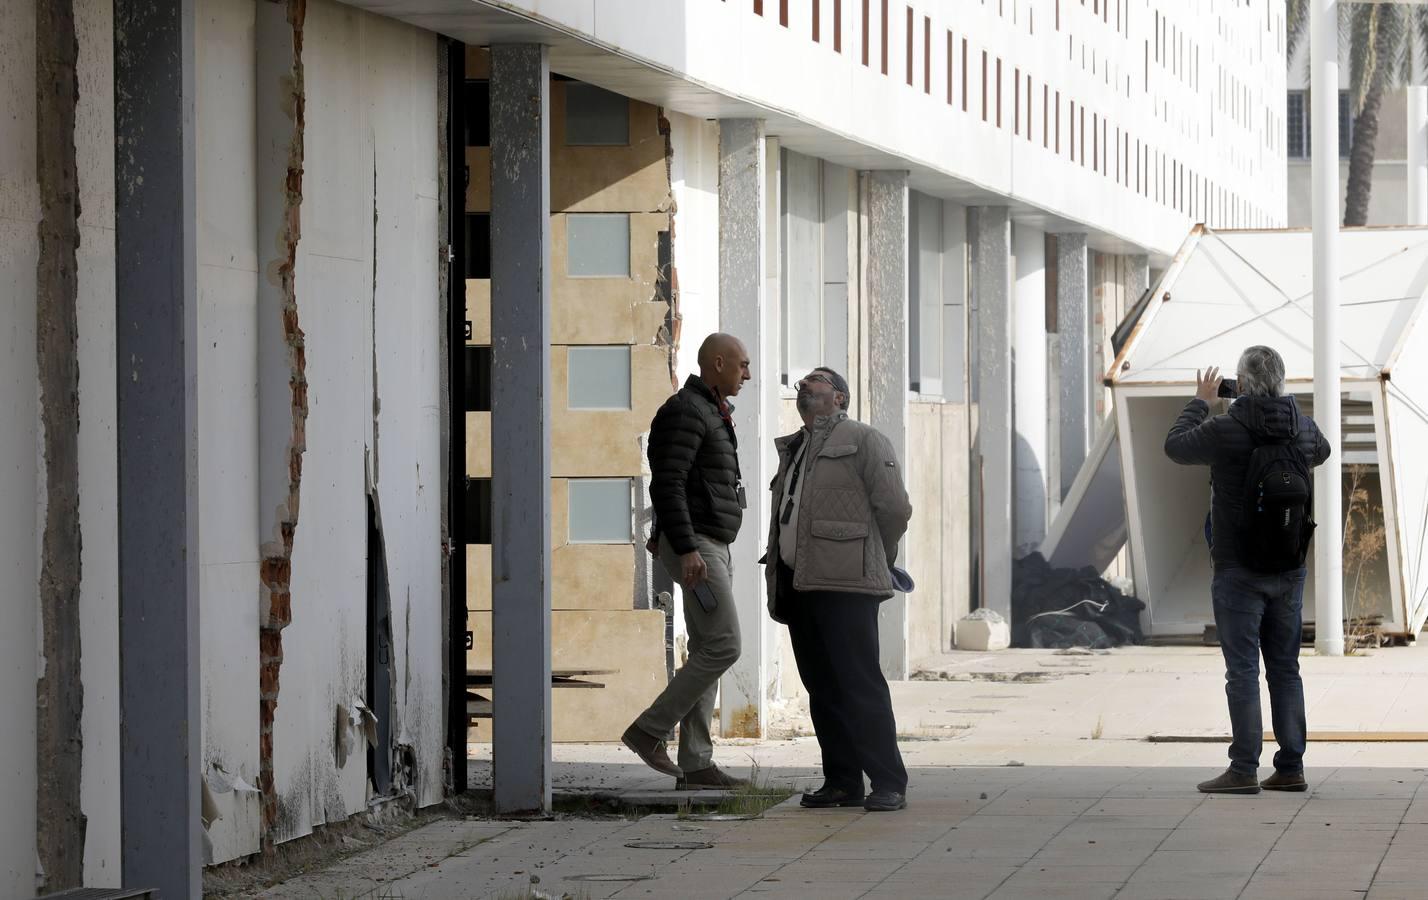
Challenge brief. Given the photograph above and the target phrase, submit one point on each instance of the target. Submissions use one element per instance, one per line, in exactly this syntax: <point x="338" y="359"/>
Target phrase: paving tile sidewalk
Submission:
<point x="996" y="833"/>
<point x="1045" y="788"/>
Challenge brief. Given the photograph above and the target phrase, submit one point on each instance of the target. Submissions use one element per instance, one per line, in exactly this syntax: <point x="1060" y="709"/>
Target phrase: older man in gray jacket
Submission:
<point x="840" y="510"/>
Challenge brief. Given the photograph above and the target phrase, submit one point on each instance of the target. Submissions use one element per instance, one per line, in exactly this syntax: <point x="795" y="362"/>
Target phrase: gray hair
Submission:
<point x="1261" y="372"/>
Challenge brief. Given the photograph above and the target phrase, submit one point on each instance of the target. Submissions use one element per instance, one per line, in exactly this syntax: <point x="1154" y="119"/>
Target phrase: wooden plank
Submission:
<point x="1321" y="737"/>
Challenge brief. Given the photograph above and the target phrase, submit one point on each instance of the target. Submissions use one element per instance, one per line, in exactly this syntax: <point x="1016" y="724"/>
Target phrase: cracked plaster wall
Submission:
<point x="366" y="295"/>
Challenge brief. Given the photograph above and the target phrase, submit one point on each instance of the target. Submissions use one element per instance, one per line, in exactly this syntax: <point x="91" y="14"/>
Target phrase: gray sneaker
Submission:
<point x="1285" y="781"/>
<point x="650" y="749"/>
<point x="1231" y="782"/>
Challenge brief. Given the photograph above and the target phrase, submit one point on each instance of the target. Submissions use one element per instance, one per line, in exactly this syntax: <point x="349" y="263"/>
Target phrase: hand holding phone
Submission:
<point x="1229" y="388"/>
<point x="705" y="596"/>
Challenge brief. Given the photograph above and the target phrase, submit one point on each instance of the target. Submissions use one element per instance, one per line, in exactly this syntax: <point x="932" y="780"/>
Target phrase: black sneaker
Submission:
<point x="1230" y="782"/>
<point x="828" y="797"/>
<point x="885" y="801"/>
<point x="1284" y="781"/>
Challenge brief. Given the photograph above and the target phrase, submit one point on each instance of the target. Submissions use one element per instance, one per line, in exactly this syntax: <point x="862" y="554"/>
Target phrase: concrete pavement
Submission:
<point x="1031" y="777"/>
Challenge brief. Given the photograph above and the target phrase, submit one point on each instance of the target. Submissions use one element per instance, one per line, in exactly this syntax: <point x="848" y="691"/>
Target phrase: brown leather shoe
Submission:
<point x="1231" y="782"/>
<point x="650" y="749"/>
<point x="1284" y="781"/>
<point x="710" y="778"/>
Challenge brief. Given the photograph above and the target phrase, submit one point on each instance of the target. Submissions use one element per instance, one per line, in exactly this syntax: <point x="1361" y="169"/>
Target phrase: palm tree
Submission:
<point x="1381" y="50"/>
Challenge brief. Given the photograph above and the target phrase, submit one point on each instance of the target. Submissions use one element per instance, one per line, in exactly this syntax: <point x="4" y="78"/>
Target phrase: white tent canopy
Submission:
<point x="1229" y="290"/>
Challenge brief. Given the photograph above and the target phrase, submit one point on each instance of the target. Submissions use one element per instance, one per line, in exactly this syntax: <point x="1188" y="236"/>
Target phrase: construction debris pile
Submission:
<point x="1059" y="608"/>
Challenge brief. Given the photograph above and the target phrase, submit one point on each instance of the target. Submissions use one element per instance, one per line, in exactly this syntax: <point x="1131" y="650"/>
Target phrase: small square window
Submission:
<point x="599" y="378"/>
<point x="597" y="245"/>
<point x="600" y="511"/>
<point x="478" y="379"/>
<point x="595" y="117"/>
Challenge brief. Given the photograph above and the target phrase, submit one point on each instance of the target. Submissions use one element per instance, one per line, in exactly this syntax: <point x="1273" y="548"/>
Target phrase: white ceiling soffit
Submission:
<point x="576" y="56"/>
<point x="1229" y="290"/>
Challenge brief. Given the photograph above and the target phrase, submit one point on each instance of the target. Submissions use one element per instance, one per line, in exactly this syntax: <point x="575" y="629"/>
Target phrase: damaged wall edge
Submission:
<point x="60" y="820"/>
<point x="451" y="287"/>
<point x="282" y="383"/>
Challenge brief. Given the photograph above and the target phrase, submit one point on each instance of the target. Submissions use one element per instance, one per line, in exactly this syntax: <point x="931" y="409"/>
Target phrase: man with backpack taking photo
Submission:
<point x="1260" y="453"/>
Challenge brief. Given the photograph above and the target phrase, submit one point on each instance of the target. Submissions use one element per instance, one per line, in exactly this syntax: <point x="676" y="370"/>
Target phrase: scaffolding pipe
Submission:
<point x="1324" y="127"/>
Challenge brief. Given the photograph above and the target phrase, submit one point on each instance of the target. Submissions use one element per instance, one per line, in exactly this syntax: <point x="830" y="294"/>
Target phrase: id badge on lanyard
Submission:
<point x="741" y="495"/>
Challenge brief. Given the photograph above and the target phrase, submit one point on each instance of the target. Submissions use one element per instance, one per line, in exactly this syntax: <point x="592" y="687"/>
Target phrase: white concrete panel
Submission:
<point x="228" y="417"/>
<point x="694" y="179"/>
<point x="324" y="656"/>
<point x="1031" y="447"/>
<point x="98" y="458"/>
<point x="801" y="265"/>
<point x="367" y="298"/>
<point x="405" y="469"/>
<point x="19" y="537"/>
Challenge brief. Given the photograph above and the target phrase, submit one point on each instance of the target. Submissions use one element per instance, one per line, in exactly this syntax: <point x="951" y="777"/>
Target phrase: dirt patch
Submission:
<point x="993" y="677"/>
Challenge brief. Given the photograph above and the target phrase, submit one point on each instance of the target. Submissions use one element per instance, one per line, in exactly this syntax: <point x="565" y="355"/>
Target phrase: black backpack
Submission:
<point x="1277" y="519"/>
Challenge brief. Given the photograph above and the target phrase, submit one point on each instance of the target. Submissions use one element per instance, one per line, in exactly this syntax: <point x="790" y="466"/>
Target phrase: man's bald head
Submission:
<point x="716" y="345"/>
<point x="723" y="363"/>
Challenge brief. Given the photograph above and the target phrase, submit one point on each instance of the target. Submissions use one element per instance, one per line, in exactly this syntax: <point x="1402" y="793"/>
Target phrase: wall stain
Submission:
<point x="276" y="569"/>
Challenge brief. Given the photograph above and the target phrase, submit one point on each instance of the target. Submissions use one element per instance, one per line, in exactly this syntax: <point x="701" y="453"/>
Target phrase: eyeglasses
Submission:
<point x="816" y="376"/>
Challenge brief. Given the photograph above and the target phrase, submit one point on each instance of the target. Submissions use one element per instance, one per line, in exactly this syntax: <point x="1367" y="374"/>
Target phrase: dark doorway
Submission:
<point x="379" y="654"/>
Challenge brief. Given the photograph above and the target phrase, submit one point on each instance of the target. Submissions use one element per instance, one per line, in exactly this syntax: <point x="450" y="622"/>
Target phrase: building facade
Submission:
<point x="952" y="203"/>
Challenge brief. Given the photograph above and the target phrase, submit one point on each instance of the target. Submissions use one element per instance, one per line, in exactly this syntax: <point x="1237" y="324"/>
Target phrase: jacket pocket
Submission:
<point x="837" y="550"/>
<point x="834" y="451"/>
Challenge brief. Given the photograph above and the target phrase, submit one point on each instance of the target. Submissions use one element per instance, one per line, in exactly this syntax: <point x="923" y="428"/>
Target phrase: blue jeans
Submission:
<point x="1256" y="614"/>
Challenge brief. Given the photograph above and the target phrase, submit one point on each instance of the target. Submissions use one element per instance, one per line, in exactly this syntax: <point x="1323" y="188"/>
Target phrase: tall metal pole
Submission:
<point x="1417" y="138"/>
<point x="1324" y="125"/>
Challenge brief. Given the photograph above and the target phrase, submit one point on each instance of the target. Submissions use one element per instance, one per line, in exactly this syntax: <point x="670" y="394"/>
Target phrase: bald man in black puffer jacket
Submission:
<point x="699" y="505"/>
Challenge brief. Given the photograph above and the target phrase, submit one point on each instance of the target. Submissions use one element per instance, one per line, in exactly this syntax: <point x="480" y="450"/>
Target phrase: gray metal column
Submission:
<point x="743" y="263"/>
<point x="1077" y="385"/>
<point x="156" y="299"/>
<point x="991" y="280"/>
<point x="520" y="426"/>
<point x="887" y="249"/>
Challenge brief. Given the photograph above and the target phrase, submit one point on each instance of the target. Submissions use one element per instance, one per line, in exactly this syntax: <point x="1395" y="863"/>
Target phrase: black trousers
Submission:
<point x="835" y="643"/>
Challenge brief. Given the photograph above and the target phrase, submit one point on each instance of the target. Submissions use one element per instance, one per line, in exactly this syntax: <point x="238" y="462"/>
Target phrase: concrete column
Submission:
<point x="887" y="267"/>
<point x="990" y="236"/>
<point x="746" y="312"/>
<point x="1029" y="351"/>
<point x="156" y="301"/>
<point x="520" y="426"/>
<point x="1077" y="385"/>
<point x="1139" y="265"/>
<point x="1417" y="155"/>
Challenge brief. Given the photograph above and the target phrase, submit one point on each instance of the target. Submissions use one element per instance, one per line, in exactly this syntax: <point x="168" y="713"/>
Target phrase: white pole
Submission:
<point x="1328" y="543"/>
<point x="1417" y="155"/>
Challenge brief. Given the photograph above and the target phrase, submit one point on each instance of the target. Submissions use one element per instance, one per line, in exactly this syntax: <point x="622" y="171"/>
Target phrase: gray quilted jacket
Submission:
<point x="852" y="511"/>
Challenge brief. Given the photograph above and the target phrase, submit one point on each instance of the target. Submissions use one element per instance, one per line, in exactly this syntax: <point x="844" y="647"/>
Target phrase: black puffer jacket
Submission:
<point x="694" y="469"/>
<point x="1224" y="443"/>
